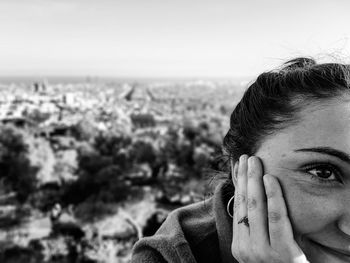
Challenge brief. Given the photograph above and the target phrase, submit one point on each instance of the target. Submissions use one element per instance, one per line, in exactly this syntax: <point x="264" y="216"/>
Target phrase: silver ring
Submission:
<point x="228" y="206"/>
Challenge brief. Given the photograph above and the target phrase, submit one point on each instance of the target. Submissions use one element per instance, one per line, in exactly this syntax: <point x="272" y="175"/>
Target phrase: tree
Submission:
<point x="99" y="179"/>
<point x="143" y="152"/>
<point x="108" y="144"/>
<point x="15" y="169"/>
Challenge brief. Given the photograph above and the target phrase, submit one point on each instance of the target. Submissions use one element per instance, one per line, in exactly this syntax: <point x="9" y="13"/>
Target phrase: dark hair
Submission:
<point x="274" y="100"/>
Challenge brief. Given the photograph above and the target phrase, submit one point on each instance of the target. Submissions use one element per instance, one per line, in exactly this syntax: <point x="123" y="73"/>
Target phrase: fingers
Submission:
<point x="240" y="204"/>
<point x="280" y="229"/>
<point x="256" y="203"/>
<point x="269" y="236"/>
<point x="234" y="178"/>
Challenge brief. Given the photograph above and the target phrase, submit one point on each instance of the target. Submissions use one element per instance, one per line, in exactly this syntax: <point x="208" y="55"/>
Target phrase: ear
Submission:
<point x="234" y="170"/>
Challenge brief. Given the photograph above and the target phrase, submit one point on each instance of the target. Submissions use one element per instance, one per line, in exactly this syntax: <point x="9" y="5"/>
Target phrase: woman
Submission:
<point x="289" y="148"/>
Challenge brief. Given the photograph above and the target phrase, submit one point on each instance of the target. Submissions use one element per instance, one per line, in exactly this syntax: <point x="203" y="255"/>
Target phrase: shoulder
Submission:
<point x="146" y="254"/>
<point x="185" y="232"/>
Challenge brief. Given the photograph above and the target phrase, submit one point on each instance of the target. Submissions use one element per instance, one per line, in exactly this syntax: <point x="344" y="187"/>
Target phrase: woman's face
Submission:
<point x="311" y="159"/>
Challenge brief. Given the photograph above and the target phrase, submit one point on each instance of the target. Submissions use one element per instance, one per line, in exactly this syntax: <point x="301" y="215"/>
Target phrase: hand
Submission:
<point x="268" y="237"/>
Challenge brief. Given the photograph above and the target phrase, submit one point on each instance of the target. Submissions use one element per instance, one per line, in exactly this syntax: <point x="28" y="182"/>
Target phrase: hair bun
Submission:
<point x="296" y="63"/>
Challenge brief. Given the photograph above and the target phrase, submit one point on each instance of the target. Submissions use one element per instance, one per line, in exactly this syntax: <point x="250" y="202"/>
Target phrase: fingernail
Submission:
<point x="251" y="159"/>
<point x="243" y="158"/>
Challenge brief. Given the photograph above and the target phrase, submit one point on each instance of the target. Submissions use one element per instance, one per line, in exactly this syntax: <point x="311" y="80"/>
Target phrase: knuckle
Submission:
<point x="274" y="217"/>
<point x="275" y="233"/>
<point x="238" y="251"/>
<point x="255" y="252"/>
<point x="271" y="194"/>
<point x="261" y="258"/>
<point x="252" y="203"/>
<point x="276" y="259"/>
<point x="241" y="249"/>
<point x="267" y="256"/>
<point x="245" y="257"/>
<point x="240" y="199"/>
<point x="260" y="254"/>
<point x="250" y="174"/>
<point x="236" y="205"/>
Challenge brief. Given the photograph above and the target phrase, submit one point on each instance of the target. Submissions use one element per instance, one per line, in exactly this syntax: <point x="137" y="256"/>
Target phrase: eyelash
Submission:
<point x="320" y="166"/>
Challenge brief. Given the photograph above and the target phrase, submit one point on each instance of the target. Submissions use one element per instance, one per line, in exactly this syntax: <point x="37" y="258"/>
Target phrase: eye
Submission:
<point x="324" y="173"/>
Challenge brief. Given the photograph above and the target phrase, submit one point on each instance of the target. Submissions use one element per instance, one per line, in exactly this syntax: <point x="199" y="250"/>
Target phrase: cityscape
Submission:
<point x="89" y="167"/>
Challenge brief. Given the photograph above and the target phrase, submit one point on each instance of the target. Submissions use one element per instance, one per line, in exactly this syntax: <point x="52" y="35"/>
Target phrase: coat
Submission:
<point x="200" y="232"/>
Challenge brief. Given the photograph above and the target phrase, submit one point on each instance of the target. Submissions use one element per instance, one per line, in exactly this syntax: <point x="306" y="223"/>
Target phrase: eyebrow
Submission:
<point x="329" y="151"/>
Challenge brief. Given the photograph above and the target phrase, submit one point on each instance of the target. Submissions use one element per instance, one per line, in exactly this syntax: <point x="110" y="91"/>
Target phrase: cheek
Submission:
<point x="309" y="213"/>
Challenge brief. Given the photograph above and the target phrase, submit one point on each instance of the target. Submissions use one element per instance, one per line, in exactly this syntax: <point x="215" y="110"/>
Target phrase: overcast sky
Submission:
<point x="166" y="38"/>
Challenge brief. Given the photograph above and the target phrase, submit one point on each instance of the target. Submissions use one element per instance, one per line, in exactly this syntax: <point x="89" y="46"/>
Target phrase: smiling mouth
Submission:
<point x="335" y="251"/>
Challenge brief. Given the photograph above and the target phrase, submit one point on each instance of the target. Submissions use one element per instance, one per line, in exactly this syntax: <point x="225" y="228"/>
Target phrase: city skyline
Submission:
<point x="166" y="39"/>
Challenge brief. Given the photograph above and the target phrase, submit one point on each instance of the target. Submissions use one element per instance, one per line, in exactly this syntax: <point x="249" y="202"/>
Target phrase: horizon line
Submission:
<point x="87" y="76"/>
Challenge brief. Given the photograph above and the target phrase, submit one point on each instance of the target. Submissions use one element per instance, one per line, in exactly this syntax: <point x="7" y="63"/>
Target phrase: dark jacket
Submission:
<point x="201" y="232"/>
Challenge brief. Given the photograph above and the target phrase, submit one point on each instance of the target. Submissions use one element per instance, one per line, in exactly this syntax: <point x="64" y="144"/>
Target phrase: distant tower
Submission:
<point x="150" y="95"/>
<point x="44" y="85"/>
<point x="36" y="87"/>
<point x="128" y="92"/>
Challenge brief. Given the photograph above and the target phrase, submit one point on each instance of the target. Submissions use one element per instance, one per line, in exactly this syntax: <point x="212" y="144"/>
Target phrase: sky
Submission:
<point x="167" y="38"/>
